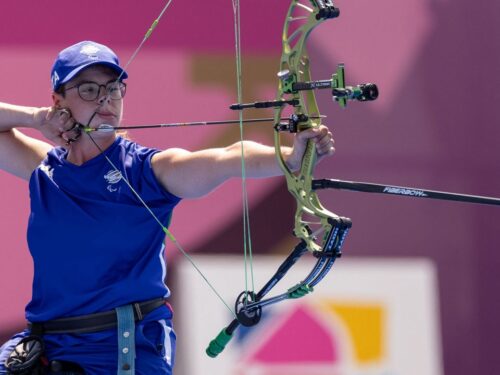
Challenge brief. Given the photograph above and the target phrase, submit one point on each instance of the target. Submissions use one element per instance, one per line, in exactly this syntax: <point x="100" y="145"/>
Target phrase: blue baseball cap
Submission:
<point x="79" y="56"/>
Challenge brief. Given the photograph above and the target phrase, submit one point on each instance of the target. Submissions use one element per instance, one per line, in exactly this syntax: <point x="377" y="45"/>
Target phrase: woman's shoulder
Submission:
<point x="134" y="148"/>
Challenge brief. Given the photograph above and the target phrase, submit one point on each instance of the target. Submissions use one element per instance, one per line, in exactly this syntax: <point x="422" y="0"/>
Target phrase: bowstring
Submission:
<point x="247" y="241"/>
<point x="145" y="38"/>
<point x="137" y="195"/>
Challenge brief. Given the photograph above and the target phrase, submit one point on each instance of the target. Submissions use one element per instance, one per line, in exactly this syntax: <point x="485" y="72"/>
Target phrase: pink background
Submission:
<point x="436" y="125"/>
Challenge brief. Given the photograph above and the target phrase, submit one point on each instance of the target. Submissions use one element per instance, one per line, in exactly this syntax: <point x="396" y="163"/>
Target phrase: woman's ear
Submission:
<point x="56" y="100"/>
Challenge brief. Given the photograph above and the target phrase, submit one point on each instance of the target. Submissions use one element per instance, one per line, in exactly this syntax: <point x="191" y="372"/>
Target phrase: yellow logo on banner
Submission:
<point x="365" y="324"/>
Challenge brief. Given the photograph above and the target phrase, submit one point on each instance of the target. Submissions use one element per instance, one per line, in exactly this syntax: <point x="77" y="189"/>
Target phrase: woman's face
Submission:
<point x="107" y="110"/>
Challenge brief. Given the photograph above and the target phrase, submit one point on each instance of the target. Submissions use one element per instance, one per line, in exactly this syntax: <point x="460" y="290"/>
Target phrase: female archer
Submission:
<point x="98" y="300"/>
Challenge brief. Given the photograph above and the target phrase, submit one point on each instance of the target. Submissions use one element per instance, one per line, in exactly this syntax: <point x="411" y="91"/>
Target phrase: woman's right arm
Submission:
<point x="20" y="154"/>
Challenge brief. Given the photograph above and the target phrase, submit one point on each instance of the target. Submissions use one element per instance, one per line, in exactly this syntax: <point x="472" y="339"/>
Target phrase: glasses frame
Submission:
<point x="122" y="89"/>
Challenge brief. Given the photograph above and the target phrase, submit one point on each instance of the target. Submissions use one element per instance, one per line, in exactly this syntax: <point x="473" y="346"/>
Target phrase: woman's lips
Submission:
<point x="106" y="115"/>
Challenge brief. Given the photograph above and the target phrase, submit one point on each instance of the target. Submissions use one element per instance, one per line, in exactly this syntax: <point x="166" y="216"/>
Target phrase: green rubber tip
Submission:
<point x="299" y="291"/>
<point x="218" y="344"/>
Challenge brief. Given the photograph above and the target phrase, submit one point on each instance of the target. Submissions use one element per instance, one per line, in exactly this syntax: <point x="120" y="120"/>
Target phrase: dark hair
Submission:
<point x="61" y="91"/>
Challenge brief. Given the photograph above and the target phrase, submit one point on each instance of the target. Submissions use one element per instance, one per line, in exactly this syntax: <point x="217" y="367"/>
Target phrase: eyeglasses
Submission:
<point x="89" y="91"/>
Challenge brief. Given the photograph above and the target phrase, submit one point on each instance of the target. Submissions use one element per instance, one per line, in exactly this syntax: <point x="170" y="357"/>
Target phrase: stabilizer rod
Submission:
<point x="402" y="191"/>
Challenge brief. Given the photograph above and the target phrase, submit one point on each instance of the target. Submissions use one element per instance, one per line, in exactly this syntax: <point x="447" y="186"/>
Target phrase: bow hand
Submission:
<point x="323" y="142"/>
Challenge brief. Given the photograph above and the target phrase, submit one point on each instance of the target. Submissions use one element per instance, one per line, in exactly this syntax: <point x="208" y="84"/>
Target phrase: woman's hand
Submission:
<point x="323" y="140"/>
<point x="57" y="125"/>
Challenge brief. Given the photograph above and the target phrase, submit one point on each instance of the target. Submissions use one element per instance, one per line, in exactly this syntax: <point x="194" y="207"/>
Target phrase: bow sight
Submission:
<point x="340" y="92"/>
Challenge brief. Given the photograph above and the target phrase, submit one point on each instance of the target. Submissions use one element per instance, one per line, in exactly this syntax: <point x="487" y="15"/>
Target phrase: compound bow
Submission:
<point x="324" y="237"/>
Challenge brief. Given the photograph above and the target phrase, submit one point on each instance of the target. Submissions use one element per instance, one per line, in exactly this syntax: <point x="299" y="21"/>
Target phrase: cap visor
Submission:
<point x="122" y="74"/>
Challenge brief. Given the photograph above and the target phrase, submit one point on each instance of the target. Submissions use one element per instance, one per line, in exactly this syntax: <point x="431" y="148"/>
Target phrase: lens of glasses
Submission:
<point x="90" y="90"/>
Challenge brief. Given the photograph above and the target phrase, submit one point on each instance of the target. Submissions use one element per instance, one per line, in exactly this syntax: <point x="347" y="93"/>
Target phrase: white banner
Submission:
<point x="367" y="317"/>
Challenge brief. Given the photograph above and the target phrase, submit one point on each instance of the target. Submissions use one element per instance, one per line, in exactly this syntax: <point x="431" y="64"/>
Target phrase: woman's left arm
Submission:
<point x="194" y="174"/>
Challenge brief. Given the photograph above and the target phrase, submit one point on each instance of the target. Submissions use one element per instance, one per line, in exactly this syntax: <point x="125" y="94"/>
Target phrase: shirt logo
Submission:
<point x="112" y="177"/>
<point x="48" y="170"/>
<point x="91" y="51"/>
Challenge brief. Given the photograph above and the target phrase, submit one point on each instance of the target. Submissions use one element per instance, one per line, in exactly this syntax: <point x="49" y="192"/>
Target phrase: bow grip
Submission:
<point x="218" y="344"/>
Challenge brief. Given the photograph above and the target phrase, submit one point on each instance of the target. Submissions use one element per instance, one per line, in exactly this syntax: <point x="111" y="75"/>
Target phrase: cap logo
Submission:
<point x="91" y="51"/>
<point x="55" y="79"/>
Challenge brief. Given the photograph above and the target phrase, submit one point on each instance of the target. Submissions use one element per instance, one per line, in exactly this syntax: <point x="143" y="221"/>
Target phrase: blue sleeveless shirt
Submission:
<point x="94" y="245"/>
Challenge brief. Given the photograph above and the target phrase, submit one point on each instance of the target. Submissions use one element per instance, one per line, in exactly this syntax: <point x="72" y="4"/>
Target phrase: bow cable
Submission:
<point x="247" y="241"/>
<point x="164" y="228"/>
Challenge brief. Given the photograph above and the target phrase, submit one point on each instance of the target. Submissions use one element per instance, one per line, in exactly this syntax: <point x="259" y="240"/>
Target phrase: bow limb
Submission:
<point x="294" y="69"/>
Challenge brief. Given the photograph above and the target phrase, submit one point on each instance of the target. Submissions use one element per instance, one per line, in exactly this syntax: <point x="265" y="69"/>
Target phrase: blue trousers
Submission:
<point x="97" y="353"/>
